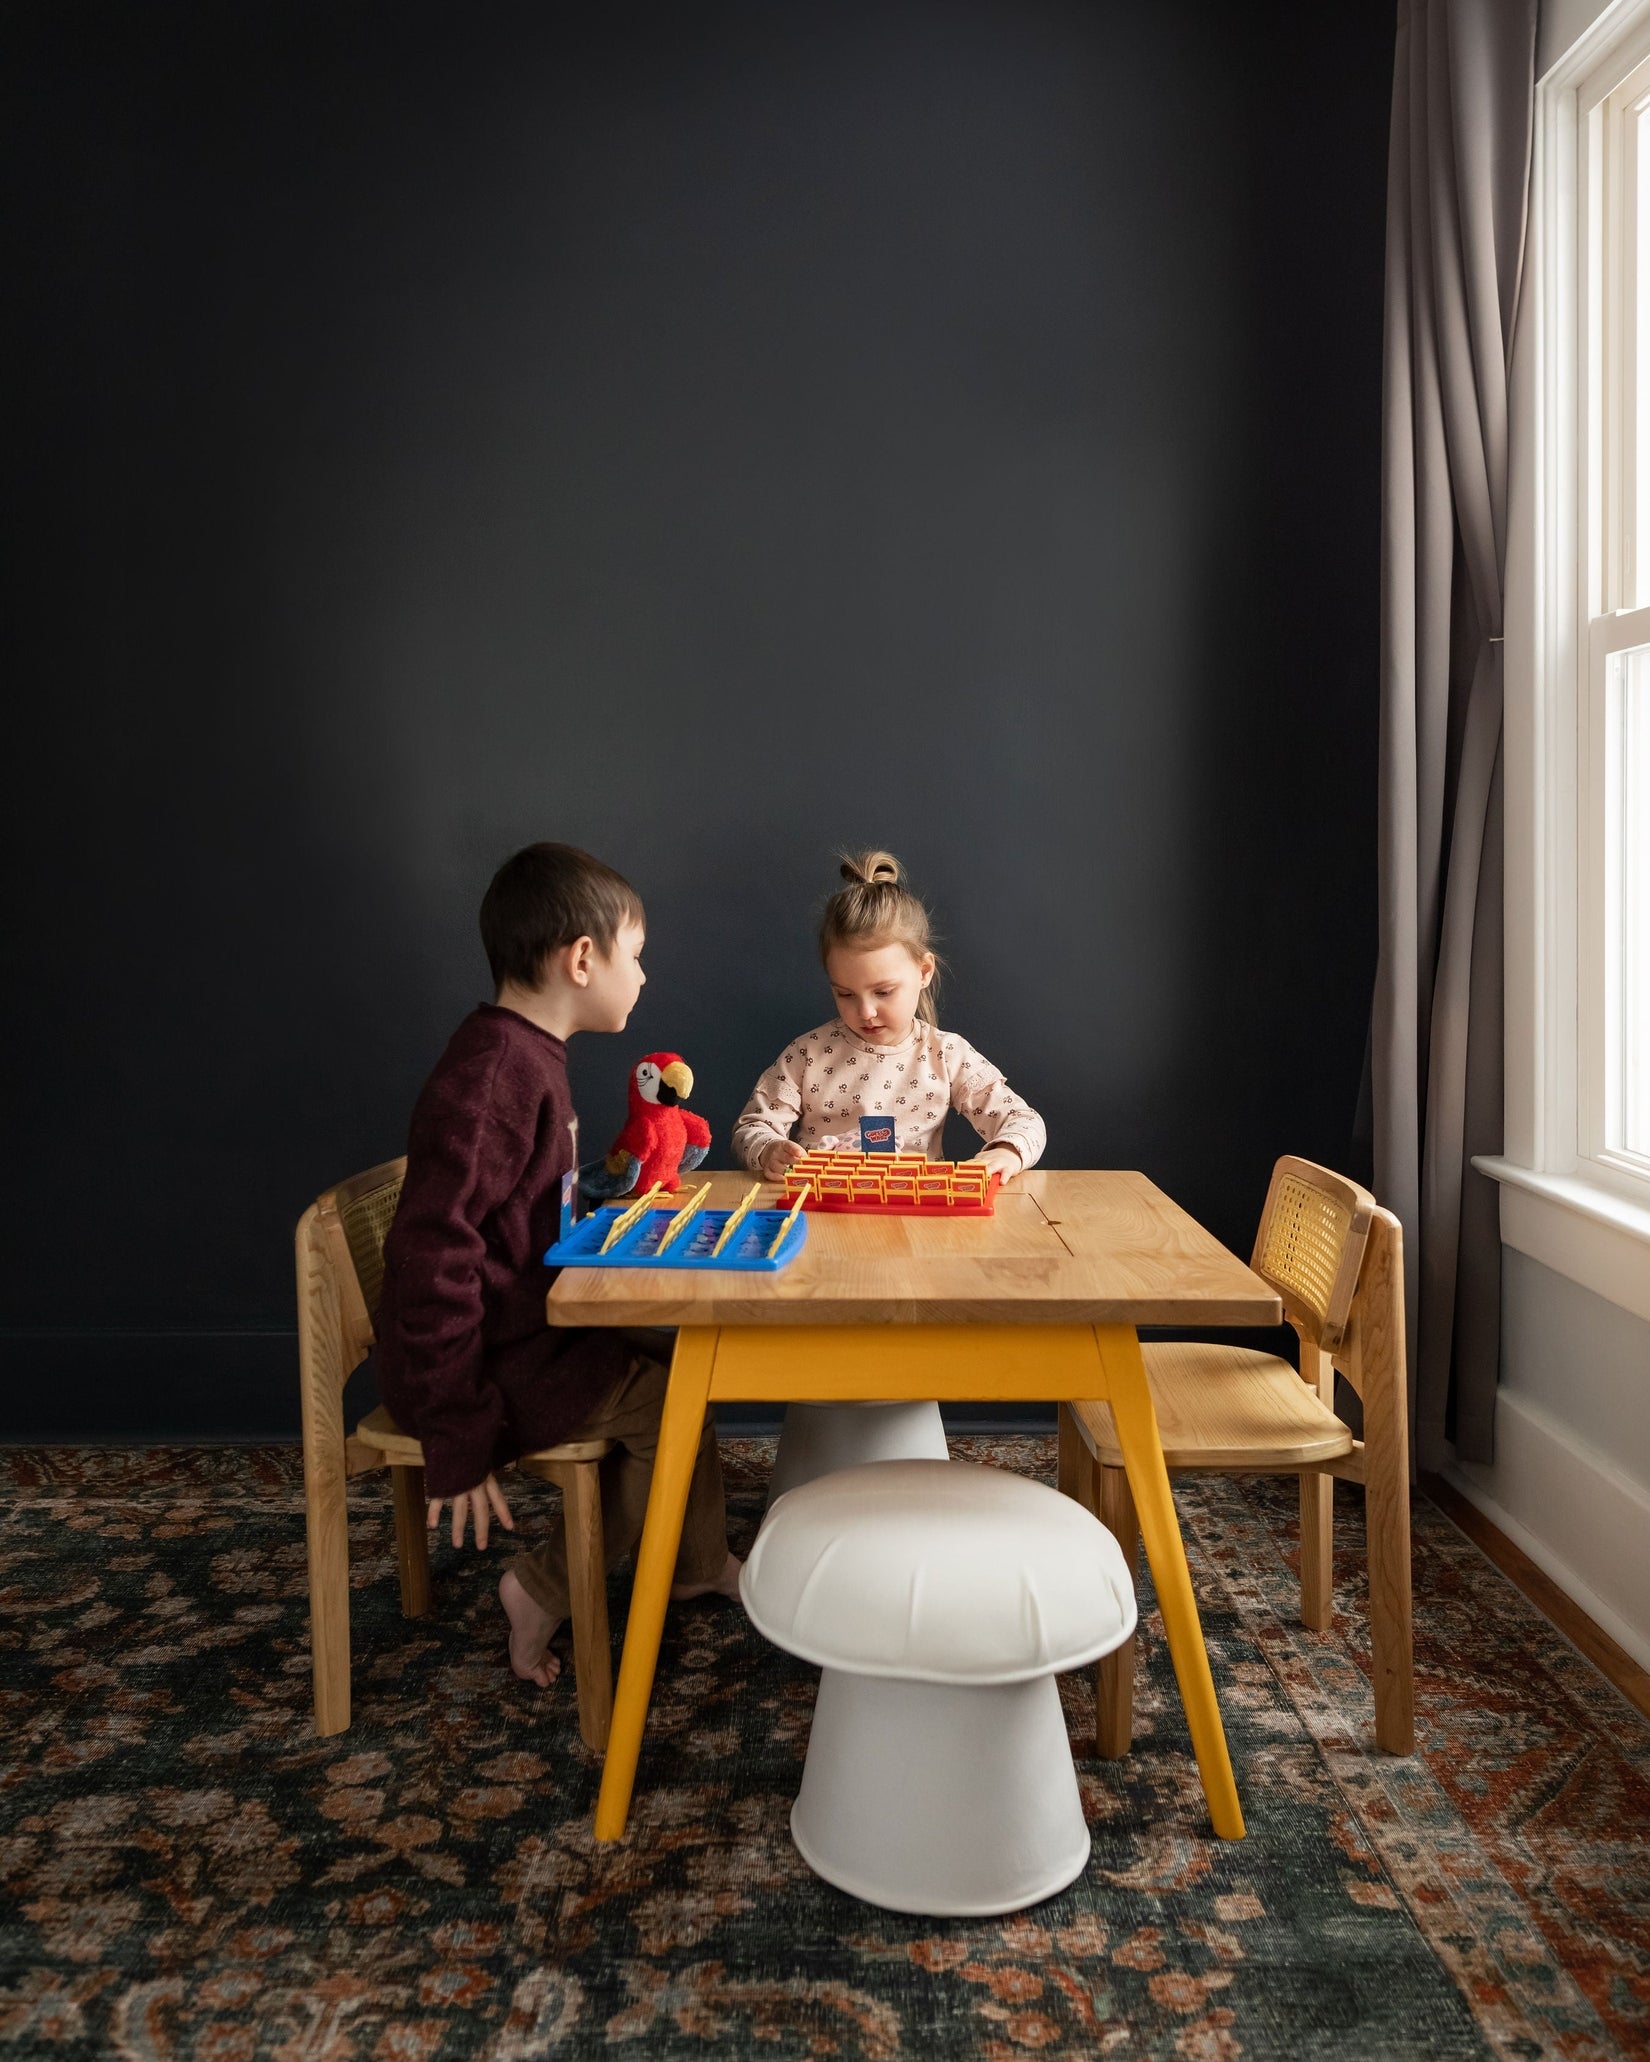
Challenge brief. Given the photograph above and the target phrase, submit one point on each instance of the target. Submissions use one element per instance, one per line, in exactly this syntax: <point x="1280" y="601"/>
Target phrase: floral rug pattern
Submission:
<point x="187" y="1871"/>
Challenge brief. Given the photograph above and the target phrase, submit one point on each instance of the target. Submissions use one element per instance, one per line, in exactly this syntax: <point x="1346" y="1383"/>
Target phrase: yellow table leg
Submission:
<point x="683" y="1420"/>
<point x="962" y="1361"/>
<point x="1136" y="1422"/>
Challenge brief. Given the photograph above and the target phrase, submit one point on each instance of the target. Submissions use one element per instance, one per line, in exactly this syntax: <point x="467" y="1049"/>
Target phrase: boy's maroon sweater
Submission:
<point x="466" y="1360"/>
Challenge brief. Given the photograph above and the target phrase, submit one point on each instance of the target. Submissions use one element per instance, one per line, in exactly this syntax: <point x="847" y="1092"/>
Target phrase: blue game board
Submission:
<point x="578" y="1240"/>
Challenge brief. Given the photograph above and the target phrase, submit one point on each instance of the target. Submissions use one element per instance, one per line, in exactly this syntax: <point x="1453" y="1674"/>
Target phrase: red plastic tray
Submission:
<point x="836" y="1206"/>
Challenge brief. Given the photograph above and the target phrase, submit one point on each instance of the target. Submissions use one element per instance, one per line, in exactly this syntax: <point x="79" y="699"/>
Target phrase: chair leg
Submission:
<point x="326" y="1516"/>
<point x="1391" y="1629"/>
<point x="327" y="1525"/>
<point x="1114" y="1674"/>
<point x="1386" y="1492"/>
<point x="1087" y="1487"/>
<point x="1069" y="1451"/>
<point x="1317" y="1551"/>
<point x="581" y="1490"/>
<point x="1386" y="1532"/>
<point x="412" y="1541"/>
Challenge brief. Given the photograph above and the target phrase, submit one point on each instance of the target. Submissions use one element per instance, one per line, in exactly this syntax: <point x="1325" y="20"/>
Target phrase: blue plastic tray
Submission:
<point x="578" y="1242"/>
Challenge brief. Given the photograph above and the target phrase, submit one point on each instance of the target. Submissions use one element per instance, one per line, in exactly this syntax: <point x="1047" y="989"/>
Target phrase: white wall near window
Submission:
<point x="1571" y="1480"/>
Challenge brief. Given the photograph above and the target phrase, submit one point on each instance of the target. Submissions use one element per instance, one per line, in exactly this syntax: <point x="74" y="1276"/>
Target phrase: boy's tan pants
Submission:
<point x="630" y="1418"/>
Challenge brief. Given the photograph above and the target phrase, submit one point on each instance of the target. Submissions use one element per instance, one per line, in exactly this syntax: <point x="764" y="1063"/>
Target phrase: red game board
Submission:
<point x="892" y="1185"/>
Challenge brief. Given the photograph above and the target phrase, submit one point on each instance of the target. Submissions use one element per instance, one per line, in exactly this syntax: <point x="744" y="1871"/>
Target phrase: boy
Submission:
<point x="466" y="1360"/>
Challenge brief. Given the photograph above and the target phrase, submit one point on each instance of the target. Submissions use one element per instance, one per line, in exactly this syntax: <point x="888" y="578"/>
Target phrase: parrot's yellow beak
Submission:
<point x="679" y="1075"/>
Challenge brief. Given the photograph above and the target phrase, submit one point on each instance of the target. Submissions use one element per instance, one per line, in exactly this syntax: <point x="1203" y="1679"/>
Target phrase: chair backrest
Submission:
<point x="340" y="1274"/>
<point x="1310" y="1246"/>
<point x="1370" y="1352"/>
<point x="340" y="1254"/>
<point x="363" y="1208"/>
<point x="354" y="1219"/>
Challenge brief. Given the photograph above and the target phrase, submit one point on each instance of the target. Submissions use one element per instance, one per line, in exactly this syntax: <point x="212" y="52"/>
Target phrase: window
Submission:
<point x="1575" y="1173"/>
<point x="1632" y="834"/>
<point x="1613" y="577"/>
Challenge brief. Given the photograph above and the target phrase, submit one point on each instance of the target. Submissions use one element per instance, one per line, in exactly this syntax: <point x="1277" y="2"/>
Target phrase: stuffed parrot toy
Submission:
<point x="660" y="1139"/>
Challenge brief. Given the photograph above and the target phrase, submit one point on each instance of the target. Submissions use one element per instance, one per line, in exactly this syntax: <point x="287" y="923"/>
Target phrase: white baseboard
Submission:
<point x="1578" y="1517"/>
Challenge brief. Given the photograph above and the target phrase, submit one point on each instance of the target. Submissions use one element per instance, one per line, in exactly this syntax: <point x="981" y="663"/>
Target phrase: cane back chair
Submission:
<point x="1335" y="1257"/>
<point x="340" y="1251"/>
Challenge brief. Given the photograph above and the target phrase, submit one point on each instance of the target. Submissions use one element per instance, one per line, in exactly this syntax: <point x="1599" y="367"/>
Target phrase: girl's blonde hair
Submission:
<point x="877" y="908"/>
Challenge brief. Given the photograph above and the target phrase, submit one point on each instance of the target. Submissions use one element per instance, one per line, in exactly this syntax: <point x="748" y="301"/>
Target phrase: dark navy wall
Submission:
<point x="710" y="435"/>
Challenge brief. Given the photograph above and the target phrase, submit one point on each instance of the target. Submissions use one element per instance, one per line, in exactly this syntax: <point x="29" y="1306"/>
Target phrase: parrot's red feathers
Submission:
<point x="637" y="1135"/>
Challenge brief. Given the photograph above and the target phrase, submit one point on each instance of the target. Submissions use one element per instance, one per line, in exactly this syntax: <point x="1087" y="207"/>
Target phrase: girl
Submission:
<point x="883" y="1054"/>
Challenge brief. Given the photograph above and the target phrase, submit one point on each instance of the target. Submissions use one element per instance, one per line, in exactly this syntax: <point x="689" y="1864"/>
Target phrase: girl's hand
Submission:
<point x="783" y="1153"/>
<point x="477" y="1500"/>
<point x="1001" y="1160"/>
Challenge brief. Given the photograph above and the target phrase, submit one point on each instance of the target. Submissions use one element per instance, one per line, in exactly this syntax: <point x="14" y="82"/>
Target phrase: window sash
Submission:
<point x="1612" y="589"/>
<point x="1613" y="902"/>
<point x="1617" y="178"/>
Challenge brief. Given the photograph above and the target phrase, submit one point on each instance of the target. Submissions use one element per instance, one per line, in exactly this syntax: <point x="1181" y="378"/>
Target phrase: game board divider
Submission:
<point x="689" y="1209"/>
<point x="736" y="1218"/>
<point x="626" y="1218"/>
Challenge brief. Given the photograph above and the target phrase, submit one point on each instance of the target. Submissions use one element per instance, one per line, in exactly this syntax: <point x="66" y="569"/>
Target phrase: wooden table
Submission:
<point x="1040" y="1301"/>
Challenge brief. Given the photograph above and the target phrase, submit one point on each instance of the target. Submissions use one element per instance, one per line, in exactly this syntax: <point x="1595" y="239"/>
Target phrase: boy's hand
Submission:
<point x="783" y="1153"/>
<point x="477" y="1500"/>
<point x="1001" y="1160"/>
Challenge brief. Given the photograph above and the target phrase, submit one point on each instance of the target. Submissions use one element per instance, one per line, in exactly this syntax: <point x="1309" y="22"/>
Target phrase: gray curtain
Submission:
<point x="1457" y="185"/>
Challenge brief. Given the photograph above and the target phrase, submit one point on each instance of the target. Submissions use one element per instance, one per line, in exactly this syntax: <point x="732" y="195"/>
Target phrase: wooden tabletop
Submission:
<point x="1065" y="1247"/>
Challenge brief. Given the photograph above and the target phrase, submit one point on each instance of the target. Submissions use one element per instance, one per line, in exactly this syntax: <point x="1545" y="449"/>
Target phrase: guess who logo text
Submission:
<point x="876" y="1135"/>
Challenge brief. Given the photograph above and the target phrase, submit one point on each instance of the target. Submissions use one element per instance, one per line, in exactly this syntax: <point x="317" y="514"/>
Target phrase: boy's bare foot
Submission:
<point x="725" y="1585"/>
<point x="531" y="1630"/>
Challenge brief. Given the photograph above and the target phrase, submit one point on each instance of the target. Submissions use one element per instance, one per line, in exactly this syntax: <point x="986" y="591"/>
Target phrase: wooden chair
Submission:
<point x="1335" y="1257"/>
<point x="340" y="1242"/>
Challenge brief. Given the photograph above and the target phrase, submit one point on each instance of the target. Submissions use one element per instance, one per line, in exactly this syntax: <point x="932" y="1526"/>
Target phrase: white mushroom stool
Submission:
<point x="818" y="1438"/>
<point x="941" y="1599"/>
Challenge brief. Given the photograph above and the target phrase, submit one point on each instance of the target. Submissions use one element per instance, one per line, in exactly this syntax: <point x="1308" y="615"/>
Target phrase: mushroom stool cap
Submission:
<point x="937" y="1571"/>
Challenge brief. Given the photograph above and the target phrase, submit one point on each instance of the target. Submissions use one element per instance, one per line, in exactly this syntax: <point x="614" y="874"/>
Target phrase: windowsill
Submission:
<point x="1578" y="1228"/>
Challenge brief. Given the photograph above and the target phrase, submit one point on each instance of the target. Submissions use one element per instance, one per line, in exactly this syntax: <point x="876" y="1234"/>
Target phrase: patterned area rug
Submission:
<point x="188" y="1871"/>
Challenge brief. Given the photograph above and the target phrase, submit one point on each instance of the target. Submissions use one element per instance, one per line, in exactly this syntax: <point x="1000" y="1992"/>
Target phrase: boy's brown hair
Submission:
<point x="547" y="896"/>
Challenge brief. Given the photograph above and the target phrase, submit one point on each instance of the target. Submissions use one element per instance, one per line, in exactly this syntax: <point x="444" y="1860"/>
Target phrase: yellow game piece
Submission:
<point x="690" y="1208"/>
<point x="736" y="1218"/>
<point x="781" y="1235"/>
<point x="626" y="1218"/>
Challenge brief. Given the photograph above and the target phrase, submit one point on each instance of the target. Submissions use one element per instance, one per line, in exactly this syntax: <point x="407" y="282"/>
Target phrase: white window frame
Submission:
<point x="1570" y="1196"/>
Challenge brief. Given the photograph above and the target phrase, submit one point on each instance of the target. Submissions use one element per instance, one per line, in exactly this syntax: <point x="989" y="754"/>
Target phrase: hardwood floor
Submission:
<point x="1609" y="1659"/>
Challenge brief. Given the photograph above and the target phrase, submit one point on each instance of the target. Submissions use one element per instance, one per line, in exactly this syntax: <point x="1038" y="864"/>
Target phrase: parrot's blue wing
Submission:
<point x="598" y="1181"/>
<point x="691" y="1156"/>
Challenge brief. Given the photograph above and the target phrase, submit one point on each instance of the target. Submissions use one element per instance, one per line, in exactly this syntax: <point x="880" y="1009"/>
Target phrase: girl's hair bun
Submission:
<point x="875" y="907"/>
<point x="870" y="869"/>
